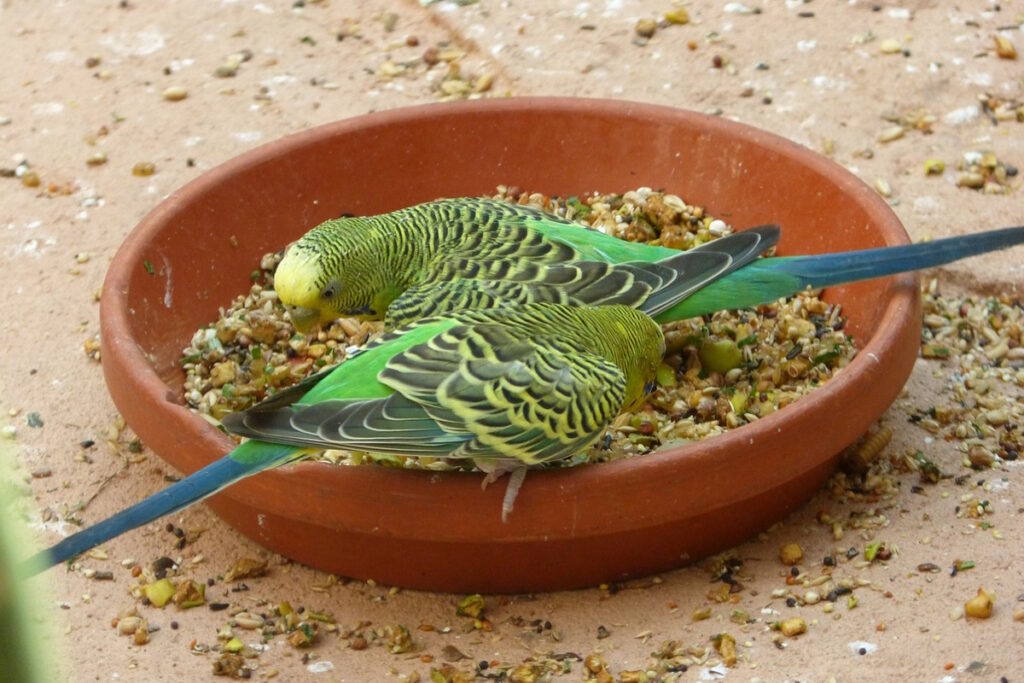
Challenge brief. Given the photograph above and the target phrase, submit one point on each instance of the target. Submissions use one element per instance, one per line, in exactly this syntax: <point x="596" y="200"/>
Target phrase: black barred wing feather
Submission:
<point x="481" y="385"/>
<point x="533" y="399"/>
<point x="490" y="386"/>
<point x="594" y="283"/>
<point x="583" y="282"/>
<point x="457" y="283"/>
<point x="451" y="297"/>
<point x="393" y="425"/>
<point x="477" y="227"/>
<point x="689" y="271"/>
<point x="746" y="245"/>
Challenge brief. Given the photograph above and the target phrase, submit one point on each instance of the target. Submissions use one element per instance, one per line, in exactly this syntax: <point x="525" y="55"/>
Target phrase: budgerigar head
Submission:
<point x="334" y="271"/>
<point x="641" y="348"/>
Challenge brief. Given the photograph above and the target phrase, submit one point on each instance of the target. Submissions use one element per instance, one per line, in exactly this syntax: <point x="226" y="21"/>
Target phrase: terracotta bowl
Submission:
<point x="570" y="528"/>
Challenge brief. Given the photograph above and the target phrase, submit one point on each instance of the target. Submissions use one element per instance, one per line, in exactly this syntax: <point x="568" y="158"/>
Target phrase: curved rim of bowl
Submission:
<point x="722" y="451"/>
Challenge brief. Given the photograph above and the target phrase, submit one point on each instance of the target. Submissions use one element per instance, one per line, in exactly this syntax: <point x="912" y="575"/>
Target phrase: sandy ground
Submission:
<point x="88" y="78"/>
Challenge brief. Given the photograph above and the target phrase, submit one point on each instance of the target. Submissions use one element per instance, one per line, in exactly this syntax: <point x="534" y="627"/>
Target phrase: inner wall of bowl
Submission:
<point x="211" y="236"/>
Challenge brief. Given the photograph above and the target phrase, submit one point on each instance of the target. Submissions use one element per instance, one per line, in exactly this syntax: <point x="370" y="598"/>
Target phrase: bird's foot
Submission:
<point x="494" y="470"/>
<point x="515" y="480"/>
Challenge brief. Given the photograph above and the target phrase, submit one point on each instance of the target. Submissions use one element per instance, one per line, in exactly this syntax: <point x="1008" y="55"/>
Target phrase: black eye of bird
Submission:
<point x="329" y="291"/>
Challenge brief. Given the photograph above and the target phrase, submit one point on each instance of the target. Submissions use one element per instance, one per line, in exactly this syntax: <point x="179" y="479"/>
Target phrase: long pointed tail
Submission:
<point x="246" y="460"/>
<point x="691" y="270"/>
<point x="766" y="280"/>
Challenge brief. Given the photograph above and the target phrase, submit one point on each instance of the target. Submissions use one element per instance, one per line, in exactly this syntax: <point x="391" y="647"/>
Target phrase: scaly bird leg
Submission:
<point x="494" y="470"/>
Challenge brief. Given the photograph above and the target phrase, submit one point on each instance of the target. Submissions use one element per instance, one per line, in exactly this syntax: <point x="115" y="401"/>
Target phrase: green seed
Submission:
<point x="160" y="592"/>
<point x="144" y="168"/>
<point x="233" y="645"/>
<point x="677" y="16"/>
<point x="666" y="376"/>
<point x="720" y="355"/>
<point x="934" y="166"/>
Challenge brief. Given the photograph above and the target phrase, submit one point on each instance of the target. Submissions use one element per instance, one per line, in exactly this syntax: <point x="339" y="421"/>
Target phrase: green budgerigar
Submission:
<point x="453" y="254"/>
<point x="507" y="388"/>
<point x="471" y="254"/>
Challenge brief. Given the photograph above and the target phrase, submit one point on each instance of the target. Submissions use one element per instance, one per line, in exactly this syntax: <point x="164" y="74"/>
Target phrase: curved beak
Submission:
<point x="303" y="319"/>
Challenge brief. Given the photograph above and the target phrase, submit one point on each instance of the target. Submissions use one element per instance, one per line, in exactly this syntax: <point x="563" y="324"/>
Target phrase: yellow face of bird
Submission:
<point x="650" y="362"/>
<point x="315" y="291"/>
<point x="643" y="345"/>
<point x="297" y="282"/>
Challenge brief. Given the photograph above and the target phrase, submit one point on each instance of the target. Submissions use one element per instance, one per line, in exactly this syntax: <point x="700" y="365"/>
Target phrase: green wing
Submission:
<point x="583" y="282"/>
<point x="355" y="378"/>
<point x="494" y="216"/>
<point x="461" y="284"/>
<point x="533" y="399"/>
<point x="485" y="388"/>
<point x="471" y="227"/>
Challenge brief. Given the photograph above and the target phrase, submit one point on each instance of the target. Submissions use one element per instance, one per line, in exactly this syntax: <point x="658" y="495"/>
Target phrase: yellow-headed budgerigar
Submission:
<point x="444" y="256"/>
<point x="507" y="387"/>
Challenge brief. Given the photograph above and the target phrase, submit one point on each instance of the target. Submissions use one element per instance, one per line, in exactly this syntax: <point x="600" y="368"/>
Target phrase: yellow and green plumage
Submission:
<point x="532" y="380"/>
<point x="507" y="388"/>
<point x="547" y="402"/>
<point x="460" y="254"/>
<point x="452" y="254"/>
<point x="530" y="384"/>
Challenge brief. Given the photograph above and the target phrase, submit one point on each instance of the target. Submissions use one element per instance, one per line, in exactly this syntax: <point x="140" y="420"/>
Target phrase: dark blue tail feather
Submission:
<point x="832" y="269"/>
<point x="255" y="457"/>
